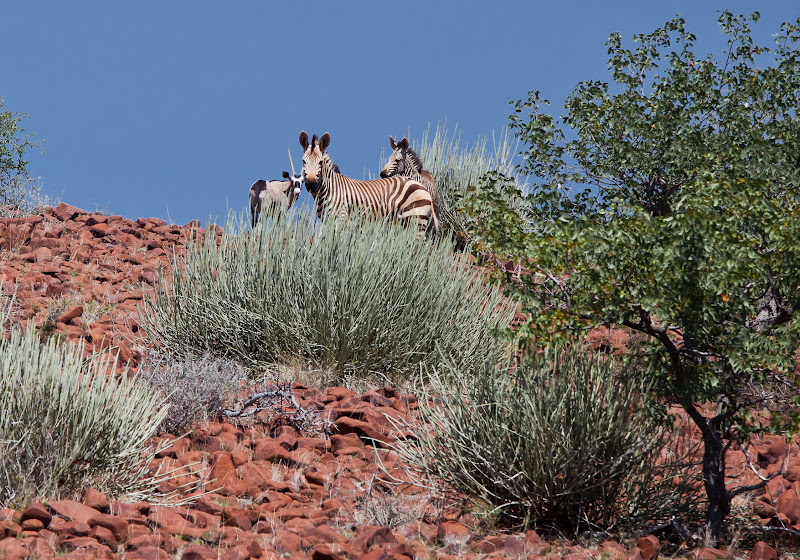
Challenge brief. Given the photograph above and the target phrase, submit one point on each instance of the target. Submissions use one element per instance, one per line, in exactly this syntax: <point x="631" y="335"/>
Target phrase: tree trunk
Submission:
<point x="719" y="500"/>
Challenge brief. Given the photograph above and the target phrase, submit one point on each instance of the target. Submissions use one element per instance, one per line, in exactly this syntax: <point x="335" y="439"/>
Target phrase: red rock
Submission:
<point x="322" y="534"/>
<point x="365" y="430"/>
<point x="71" y="528"/>
<point x="169" y="520"/>
<point x="490" y="544"/>
<point x="199" y="552"/>
<point x="776" y="450"/>
<point x="649" y="546"/>
<point x="88" y="544"/>
<point x="512" y="546"/>
<point x="72" y="510"/>
<point x="342" y="441"/>
<point x="114" y="523"/>
<point x="223" y="473"/>
<point x="149" y="553"/>
<point x="326" y="551"/>
<point x="99" y="230"/>
<point x="763" y="551"/>
<point x="254" y="549"/>
<point x="36" y="511"/>
<point x="239" y="552"/>
<point x="70" y="313"/>
<point x="12" y="549"/>
<point x="372" y="535"/>
<point x="96" y="500"/>
<point x="268" y="450"/>
<point x="235" y="516"/>
<point x="65" y="212"/>
<point x="286" y="542"/>
<point x="340" y="393"/>
<point x="34" y="525"/>
<point x="453" y="529"/>
<point x="789" y="505"/>
<point x="239" y="458"/>
<point x="104" y="536"/>
<point x="40" y="548"/>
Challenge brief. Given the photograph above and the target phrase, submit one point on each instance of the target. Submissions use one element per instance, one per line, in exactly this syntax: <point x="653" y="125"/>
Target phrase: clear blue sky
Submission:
<point x="173" y="108"/>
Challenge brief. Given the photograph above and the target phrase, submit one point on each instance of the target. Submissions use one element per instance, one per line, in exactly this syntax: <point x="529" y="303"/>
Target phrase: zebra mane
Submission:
<point x="329" y="160"/>
<point x="413" y="159"/>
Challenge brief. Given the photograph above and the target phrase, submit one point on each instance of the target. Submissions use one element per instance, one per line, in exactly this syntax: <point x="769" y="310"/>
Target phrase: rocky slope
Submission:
<point x="267" y="491"/>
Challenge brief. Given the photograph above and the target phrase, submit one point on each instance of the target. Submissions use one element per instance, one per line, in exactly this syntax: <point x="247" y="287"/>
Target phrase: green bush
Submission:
<point x="20" y="194"/>
<point x="355" y="297"/>
<point x="65" y="423"/>
<point x="561" y="443"/>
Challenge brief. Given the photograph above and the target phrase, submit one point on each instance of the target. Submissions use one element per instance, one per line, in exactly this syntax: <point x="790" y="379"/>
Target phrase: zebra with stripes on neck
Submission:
<point x="399" y="197"/>
<point x="405" y="161"/>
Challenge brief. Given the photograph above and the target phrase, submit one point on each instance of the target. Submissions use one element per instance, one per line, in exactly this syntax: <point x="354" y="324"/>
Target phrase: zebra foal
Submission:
<point x="405" y="161"/>
<point x="399" y="197"/>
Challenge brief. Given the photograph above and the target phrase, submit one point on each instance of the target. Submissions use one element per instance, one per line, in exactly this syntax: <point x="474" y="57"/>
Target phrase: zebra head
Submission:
<point x="313" y="156"/>
<point x="402" y="160"/>
<point x="295" y="183"/>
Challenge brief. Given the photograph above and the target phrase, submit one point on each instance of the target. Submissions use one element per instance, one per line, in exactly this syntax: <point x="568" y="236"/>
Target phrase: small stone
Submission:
<point x="763" y="551"/>
<point x="94" y="499"/>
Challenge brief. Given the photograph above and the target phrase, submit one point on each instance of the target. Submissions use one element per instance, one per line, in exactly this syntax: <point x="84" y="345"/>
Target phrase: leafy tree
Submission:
<point x="16" y="185"/>
<point x="666" y="202"/>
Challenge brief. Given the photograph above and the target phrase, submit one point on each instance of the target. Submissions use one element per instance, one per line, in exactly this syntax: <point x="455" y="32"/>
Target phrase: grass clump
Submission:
<point x="352" y="297"/>
<point x="561" y="443"/>
<point x="194" y="387"/>
<point x="65" y="423"/>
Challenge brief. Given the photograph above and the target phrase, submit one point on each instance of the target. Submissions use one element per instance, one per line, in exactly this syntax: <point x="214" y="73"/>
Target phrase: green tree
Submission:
<point x="666" y="202"/>
<point x="16" y="185"/>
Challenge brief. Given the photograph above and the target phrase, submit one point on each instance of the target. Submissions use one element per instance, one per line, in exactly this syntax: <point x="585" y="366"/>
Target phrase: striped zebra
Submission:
<point x="333" y="192"/>
<point x="405" y="161"/>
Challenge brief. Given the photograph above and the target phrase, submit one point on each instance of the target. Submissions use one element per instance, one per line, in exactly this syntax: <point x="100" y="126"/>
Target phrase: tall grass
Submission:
<point x="562" y="442"/>
<point x="357" y="297"/>
<point x="65" y="423"/>
<point x="456" y="166"/>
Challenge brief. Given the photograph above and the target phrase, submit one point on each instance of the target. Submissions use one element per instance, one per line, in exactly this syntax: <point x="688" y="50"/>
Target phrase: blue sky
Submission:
<point x="172" y="109"/>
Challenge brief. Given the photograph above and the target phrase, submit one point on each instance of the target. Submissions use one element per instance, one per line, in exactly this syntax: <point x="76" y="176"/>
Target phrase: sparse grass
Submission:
<point x="358" y="297"/>
<point x="64" y="422"/>
<point x="562" y="442"/>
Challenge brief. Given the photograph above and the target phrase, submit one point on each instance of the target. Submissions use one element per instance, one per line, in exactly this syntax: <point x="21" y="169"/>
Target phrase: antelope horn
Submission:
<point x="291" y="162"/>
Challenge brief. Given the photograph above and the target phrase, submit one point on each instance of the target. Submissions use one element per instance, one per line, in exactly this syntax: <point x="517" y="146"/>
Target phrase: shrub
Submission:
<point x="561" y="442"/>
<point x="357" y="297"/>
<point x="65" y="423"/>
<point x="195" y="388"/>
<point x="20" y="194"/>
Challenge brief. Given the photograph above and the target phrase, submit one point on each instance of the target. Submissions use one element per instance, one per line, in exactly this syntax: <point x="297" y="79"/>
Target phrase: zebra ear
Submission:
<point x="304" y="140"/>
<point x="324" y="141"/>
<point x="404" y="143"/>
<point x="392" y="143"/>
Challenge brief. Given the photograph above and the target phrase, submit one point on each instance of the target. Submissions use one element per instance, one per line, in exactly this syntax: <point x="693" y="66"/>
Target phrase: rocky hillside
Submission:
<point x="269" y="491"/>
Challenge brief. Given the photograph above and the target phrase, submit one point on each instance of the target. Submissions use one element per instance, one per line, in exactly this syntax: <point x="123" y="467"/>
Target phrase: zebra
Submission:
<point x="333" y="192"/>
<point x="280" y="193"/>
<point x="405" y="161"/>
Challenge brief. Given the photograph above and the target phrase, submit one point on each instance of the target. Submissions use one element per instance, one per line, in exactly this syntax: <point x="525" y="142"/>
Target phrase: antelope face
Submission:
<point x="295" y="184"/>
